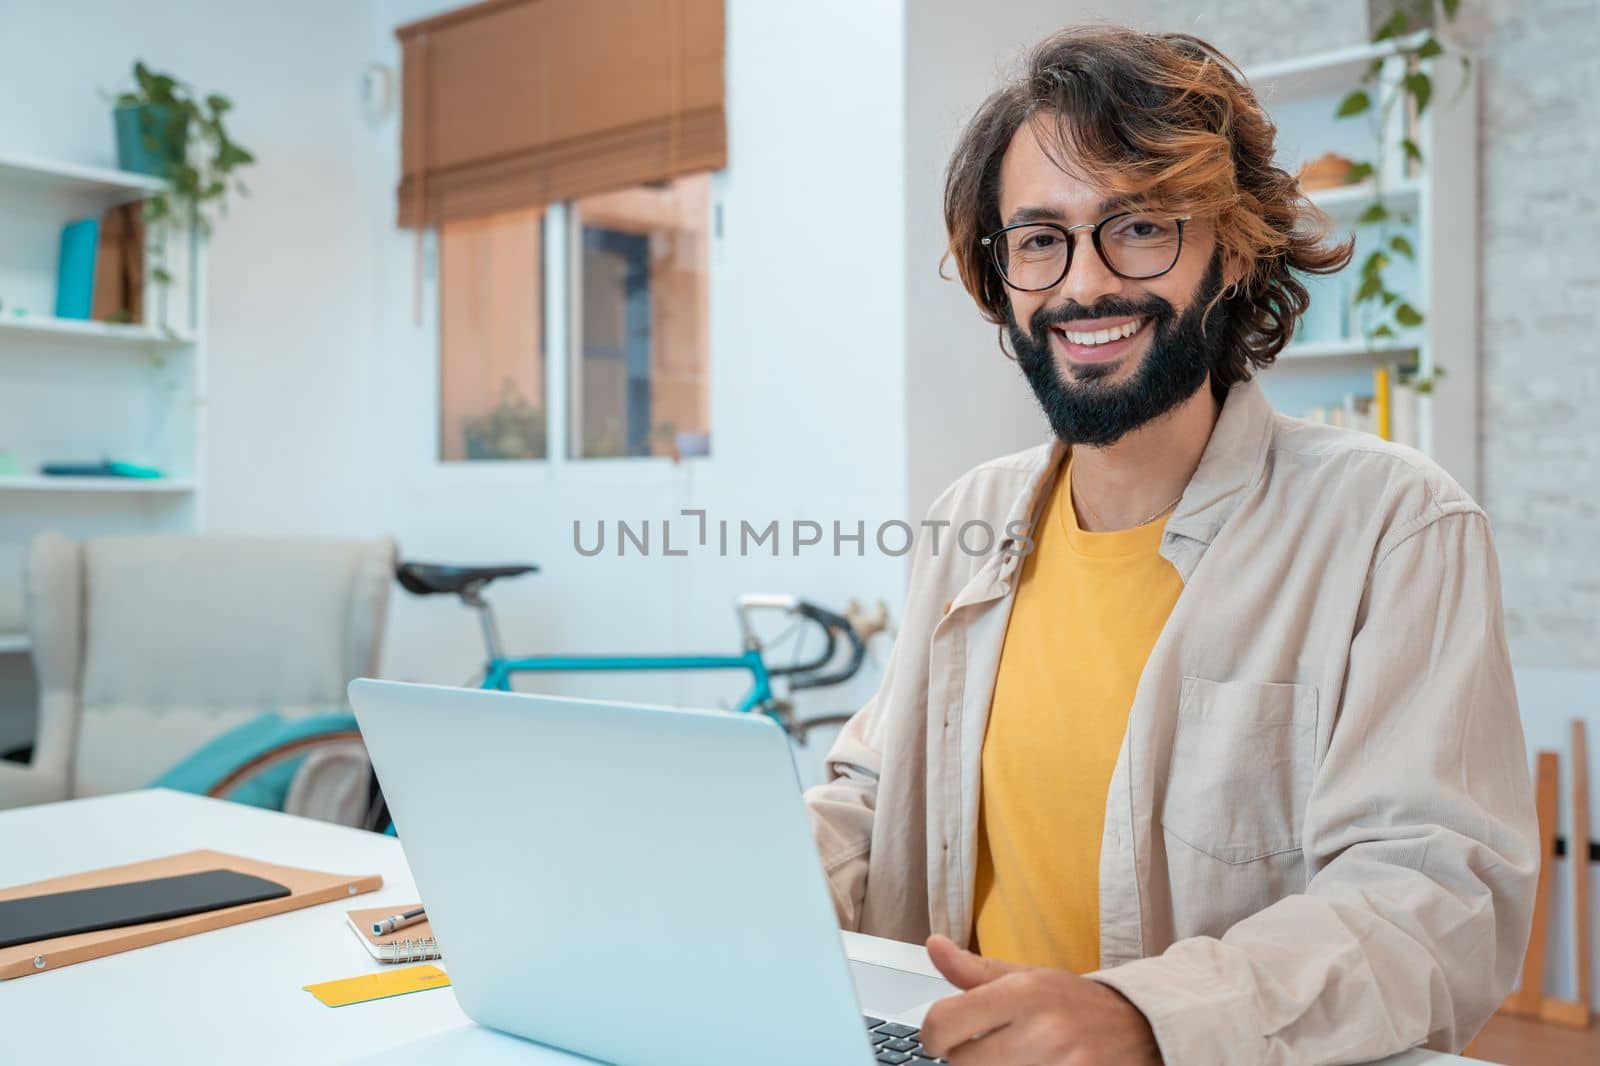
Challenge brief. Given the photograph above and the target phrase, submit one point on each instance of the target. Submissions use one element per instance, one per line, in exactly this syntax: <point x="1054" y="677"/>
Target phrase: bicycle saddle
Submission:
<point x="426" y="579"/>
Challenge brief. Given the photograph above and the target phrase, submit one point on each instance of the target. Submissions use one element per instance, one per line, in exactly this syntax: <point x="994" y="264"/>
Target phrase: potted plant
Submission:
<point x="165" y="129"/>
<point x="512" y="429"/>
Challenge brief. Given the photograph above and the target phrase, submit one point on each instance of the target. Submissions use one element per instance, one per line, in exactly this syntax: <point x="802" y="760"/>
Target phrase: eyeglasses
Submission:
<point x="1034" y="256"/>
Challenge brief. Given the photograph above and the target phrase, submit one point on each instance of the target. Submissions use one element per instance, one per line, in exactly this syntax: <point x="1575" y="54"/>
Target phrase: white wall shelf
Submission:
<point x="14" y="643"/>
<point x="40" y="483"/>
<point x="19" y="174"/>
<point x="75" y="389"/>
<point x="86" y="333"/>
<point x="1433" y="206"/>
<point x="1352" y="348"/>
<point x="1321" y="72"/>
<point x="1343" y="198"/>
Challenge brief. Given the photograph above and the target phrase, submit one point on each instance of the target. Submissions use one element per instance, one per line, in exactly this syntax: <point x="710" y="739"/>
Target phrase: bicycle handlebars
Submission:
<point x="831" y="623"/>
<point x="809" y="674"/>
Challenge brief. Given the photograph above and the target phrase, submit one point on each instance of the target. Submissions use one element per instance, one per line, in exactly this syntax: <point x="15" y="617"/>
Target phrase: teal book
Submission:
<point x="80" y="245"/>
<point x="104" y="468"/>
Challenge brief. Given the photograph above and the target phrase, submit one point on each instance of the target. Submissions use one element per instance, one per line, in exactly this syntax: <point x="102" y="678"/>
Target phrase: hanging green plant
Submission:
<point x="1389" y="312"/>
<point x="168" y="130"/>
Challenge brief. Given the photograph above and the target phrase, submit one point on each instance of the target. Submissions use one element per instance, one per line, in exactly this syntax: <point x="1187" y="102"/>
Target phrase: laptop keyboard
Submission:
<point x="897" y="1044"/>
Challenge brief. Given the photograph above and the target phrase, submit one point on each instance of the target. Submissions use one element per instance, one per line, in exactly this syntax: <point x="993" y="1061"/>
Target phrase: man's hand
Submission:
<point x="1010" y="1015"/>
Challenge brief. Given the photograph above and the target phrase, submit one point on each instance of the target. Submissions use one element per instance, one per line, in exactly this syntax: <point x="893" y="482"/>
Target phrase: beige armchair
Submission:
<point x="147" y="647"/>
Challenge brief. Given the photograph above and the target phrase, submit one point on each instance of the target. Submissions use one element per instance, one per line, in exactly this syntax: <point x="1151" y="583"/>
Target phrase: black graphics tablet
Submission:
<point x="86" y="910"/>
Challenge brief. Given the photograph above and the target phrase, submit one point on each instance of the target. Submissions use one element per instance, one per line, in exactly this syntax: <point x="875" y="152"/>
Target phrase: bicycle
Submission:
<point x="467" y="583"/>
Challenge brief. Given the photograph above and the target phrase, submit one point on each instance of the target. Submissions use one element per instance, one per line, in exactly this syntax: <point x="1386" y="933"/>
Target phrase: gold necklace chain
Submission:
<point x="1175" y="501"/>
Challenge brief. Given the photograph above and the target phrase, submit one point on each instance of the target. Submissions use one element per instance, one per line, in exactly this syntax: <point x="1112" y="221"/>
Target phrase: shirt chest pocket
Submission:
<point x="1242" y="762"/>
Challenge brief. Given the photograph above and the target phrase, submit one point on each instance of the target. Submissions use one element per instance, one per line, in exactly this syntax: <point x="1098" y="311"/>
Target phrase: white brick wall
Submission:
<point x="1539" y="302"/>
<point x="1540" y="307"/>
<point x="1252" y="31"/>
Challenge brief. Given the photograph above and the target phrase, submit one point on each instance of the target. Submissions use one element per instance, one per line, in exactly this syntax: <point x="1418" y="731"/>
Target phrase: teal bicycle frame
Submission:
<point x="499" y="671"/>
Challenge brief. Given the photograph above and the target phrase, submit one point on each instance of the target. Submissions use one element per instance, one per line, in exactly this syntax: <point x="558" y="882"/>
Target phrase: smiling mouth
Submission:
<point x="1094" y="338"/>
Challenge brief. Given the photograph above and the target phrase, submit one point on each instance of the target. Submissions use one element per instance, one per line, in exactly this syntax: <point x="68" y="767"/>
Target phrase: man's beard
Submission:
<point x="1181" y="353"/>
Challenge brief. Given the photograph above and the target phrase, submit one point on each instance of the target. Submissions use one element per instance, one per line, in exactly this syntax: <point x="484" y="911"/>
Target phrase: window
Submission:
<point x="643" y="329"/>
<point x="491" y="338"/>
<point x="638" y="377"/>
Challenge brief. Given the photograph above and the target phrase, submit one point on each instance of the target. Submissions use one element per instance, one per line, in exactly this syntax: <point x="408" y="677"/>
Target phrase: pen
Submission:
<point x="398" y="921"/>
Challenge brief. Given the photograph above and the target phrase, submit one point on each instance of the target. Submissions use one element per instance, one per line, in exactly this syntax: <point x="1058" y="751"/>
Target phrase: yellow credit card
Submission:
<point x="370" y="986"/>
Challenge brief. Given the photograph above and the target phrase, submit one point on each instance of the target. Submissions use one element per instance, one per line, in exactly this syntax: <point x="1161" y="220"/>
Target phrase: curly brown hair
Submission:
<point x="1168" y="117"/>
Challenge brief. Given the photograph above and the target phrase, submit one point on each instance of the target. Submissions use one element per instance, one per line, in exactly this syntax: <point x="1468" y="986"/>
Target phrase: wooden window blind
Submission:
<point x="512" y="104"/>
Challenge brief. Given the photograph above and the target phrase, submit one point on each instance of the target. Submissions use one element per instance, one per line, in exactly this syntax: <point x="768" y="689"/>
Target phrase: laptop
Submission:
<point x="634" y="884"/>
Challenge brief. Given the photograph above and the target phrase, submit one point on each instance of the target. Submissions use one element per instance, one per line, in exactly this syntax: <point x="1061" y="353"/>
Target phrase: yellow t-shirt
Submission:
<point x="1089" y="607"/>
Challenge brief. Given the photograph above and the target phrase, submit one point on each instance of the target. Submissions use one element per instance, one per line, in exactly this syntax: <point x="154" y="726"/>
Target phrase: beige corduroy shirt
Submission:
<point x="1319" y="837"/>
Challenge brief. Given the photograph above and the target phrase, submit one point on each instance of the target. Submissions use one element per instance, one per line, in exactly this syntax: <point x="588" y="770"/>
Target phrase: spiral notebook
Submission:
<point x="412" y="944"/>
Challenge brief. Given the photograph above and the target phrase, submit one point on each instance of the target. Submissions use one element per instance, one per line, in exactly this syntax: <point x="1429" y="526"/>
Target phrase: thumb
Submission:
<point x="962" y="968"/>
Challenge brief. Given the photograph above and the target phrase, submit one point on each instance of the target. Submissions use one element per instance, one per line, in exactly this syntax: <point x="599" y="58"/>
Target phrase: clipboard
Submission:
<point x="306" y="888"/>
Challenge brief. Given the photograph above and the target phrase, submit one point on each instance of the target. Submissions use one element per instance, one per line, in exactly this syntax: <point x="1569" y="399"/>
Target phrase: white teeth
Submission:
<point x="1103" y="336"/>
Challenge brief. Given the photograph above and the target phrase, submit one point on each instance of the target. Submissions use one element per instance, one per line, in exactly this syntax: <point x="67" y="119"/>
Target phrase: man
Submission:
<point x="1227" y="768"/>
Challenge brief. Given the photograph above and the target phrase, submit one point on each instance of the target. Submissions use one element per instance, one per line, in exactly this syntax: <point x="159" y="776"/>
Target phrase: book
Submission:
<point x="1380" y="399"/>
<point x="80" y="243"/>
<point x="104" y="468"/>
<point x="119" y="266"/>
<point x="1403" y="415"/>
<point x="415" y="943"/>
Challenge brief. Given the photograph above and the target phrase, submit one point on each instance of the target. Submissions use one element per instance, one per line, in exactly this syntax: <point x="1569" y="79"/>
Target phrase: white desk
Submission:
<point x="235" y="995"/>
